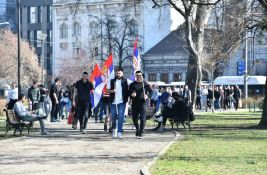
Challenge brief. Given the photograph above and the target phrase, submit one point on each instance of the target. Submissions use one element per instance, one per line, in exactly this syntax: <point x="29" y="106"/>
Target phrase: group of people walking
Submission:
<point x="225" y="97"/>
<point x="119" y="90"/>
<point x="119" y="93"/>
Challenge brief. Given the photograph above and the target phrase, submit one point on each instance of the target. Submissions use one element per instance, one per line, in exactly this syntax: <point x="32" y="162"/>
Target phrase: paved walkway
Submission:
<point x="65" y="151"/>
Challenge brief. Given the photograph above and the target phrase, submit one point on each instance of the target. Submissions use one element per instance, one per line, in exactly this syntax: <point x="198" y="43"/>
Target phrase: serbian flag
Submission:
<point x="98" y="83"/>
<point x="108" y="70"/>
<point x="136" y="58"/>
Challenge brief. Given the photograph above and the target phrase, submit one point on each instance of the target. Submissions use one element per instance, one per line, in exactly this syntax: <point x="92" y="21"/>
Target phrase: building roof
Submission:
<point x="172" y="43"/>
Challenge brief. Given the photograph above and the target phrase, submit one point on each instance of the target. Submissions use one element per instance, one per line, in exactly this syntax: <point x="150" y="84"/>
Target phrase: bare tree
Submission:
<point x="195" y="14"/>
<point x="120" y="36"/>
<point x="72" y="67"/>
<point x="222" y="38"/>
<point x="29" y="60"/>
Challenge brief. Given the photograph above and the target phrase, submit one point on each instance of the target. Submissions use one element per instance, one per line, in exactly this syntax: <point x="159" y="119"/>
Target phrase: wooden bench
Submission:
<point x="12" y="121"/>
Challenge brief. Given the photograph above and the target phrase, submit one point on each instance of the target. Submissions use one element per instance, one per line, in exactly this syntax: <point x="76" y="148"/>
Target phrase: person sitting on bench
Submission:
<point x="25" y="115"/>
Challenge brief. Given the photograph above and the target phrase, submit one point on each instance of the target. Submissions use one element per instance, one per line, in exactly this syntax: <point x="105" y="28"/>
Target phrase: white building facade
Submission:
<point x="79" y="27"/>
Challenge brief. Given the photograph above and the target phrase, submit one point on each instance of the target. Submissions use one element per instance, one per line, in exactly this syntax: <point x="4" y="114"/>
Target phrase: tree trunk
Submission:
<point x="263" y="122"/>
<point x="193" y="75"/>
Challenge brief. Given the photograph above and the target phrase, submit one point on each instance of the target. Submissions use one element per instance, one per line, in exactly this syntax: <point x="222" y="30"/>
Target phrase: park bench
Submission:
<point x="13" y="121"/>
<point x="188" y="118"/>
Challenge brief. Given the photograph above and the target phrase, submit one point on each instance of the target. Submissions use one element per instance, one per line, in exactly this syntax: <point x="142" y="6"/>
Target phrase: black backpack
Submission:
<point x="190" y="113"/>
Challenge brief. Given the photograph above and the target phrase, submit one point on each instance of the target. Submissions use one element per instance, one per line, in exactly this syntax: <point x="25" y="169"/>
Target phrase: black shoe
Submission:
<point x="140" y="136"/>
<point x="110" y="130"/>
<point x="137" y="133"/>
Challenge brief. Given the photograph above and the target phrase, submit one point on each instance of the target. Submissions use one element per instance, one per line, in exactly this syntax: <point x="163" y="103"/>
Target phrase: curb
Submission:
<point x="146" y="167"/>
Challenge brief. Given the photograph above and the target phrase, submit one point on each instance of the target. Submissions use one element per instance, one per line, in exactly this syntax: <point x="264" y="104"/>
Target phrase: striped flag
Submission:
<point x="136" y="57"/>
<point x="96" y="79"/>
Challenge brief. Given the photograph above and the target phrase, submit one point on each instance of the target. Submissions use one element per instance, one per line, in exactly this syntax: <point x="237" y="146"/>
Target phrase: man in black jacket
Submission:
<point x="118" y="93"/>
<point x="82" y="100"/>
<point x="138" y="91"/>
<point x="54" y="96"/>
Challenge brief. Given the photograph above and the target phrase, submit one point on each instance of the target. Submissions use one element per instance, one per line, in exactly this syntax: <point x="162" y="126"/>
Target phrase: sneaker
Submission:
<point x="44" y="133"/>
<point x="158" y="118"/>
<point x="119" y="135"/>
<point x="84" y="131"/>
<point x="74" y="126"/>
<point x="140" y="136"/>
<point x="114" y="134"/>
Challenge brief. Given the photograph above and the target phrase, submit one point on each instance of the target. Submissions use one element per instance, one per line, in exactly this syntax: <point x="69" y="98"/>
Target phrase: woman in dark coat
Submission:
<point x="179" y="108"/>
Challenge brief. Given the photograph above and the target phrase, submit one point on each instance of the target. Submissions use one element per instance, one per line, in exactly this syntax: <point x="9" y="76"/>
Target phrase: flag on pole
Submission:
<point x="136" y="57"/>
<point x="98" y="83"/>
<point x="108" y="68"/>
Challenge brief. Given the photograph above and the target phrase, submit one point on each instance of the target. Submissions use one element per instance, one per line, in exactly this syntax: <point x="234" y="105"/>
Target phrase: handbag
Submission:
<point x="70" y="118"/>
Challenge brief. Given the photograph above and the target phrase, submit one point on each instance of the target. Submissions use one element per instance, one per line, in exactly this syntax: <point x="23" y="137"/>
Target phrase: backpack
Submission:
<point x="190" y="113"/>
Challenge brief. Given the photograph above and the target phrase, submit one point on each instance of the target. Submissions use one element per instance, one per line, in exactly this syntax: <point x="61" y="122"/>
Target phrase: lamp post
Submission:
<point x="42" y="37"/>
<point x="18" y="35"/>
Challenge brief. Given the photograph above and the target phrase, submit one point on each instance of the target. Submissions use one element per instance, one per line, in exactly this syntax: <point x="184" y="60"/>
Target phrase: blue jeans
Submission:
<point x="117" y="114"/>
<point x="103" y="110"/>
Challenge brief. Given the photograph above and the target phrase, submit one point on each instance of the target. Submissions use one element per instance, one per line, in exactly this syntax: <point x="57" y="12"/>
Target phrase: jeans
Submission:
<point x="32" y="118"/>
<point x="103" y="110"/>
<point x="117" y="112"/>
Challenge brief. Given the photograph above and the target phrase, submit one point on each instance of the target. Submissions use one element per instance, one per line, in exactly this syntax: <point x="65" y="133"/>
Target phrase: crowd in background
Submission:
<point x="59" y="100"/>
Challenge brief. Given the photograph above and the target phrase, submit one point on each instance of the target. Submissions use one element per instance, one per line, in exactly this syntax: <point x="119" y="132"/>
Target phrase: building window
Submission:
<point x="63" y="30"/>
<point x="49" y="14"/>
<point x="164" y="77"/>
<point x="64" y="46"/>
<point x="33" y="15"/>
<point x="176" y="77"/>
<point x="76" y="29"/>
<point x="96" y="51"/>
<point x="48" y="63"/>
<point x="39" y="8"/>
<point x="93" y="28"/>
<point x="152" y="77"/>
<point x="133" y="27"/>
<point x="76" y="47"/>
<point x="31" y="37"/>
<point x="49" y="38"/>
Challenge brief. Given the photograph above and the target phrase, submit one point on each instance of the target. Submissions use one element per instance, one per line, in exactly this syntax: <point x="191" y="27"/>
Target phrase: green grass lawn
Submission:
<point x="220" y="143"/>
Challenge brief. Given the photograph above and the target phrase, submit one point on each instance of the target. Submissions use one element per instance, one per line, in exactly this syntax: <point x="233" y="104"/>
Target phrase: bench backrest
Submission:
<point x="11" y="117"/>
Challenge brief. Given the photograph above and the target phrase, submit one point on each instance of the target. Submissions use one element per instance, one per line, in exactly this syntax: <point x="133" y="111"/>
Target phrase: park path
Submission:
<point x="65" y="151"/>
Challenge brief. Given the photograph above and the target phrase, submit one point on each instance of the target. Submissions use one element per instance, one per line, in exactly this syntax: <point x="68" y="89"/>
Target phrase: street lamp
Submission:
<point x="41" y="36"/>
<point x="18" y="35"/>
